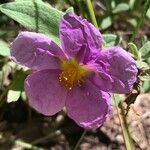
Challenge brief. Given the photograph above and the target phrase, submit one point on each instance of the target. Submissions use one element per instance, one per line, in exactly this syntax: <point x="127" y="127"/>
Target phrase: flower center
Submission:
<point x="72" y="73"/>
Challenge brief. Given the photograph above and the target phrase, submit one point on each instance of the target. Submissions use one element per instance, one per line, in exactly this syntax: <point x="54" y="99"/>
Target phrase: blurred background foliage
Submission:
<point x="117" y="19"/>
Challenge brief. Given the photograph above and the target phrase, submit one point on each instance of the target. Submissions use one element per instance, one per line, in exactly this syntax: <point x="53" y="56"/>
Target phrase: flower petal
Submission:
<point x="45" y="92"/>
<point x="87" y="105"/>
<point x="79" y="38"/>
<point x="99" y="77"/>
<point x="117" y="63"/>
<point x="36" y="51"/>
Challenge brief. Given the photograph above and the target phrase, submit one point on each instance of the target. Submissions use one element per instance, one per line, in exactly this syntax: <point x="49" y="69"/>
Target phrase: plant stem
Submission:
<point x="141" y="20"/>
<point x="108" y="6"/>
<point x="81" y="9"/>
<point x="80" y="139"/>
<point x="49" y="136"/>
<point x="91" y="12"/>
<point x="124" y="126"/>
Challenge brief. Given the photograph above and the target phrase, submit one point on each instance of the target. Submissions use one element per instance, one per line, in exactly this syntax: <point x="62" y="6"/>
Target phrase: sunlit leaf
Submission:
<point x="105" y="22"/>
<point x="133" y="22"/>
<point x="17" y="86"/>
<point x="115" y="100"/>
<point x="4" y="49"/>
<point x="121" y="8"/>
<point x="131" y="3"/>
<point x="133" y="50"/>
<point x="13" y="96"/>
<point x="70" y="10"/>
<point x="35" y="16"/>
<point x="111" y="40"/>
<point x="148" y="13"/>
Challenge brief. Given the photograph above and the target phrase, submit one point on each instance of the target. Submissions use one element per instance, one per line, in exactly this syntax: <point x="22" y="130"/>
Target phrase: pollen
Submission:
<point x="72" y="73"/>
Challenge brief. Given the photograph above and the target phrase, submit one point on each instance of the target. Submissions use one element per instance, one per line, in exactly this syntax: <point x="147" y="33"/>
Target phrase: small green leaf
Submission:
<point x="17" y="86"/>
<point x="4" y="49"/>
<point x="131" y="3"/>
<point x="122" y="7"/>
<point x="23" y="95"/>
<point x="18" y="81"/>
<point x="133" y="50"/>
<point x="13" y="96"/>
<point x="111" y="40"/>
<point x="148" y="13"/>
<point x="35" y="16"/>
<point x="105" y="23"/>
<point x="70" y="10"/>
<point x="133" y="22"/>
<point x="145" y="50"/>
<point x="115" y="100"/>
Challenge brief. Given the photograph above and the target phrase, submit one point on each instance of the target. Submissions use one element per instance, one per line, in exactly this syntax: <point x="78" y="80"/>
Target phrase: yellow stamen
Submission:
<point x="72" y="73"/>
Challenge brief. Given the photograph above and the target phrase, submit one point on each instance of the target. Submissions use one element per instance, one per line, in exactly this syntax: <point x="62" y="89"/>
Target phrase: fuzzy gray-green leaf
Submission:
<point x="34" y="15"/>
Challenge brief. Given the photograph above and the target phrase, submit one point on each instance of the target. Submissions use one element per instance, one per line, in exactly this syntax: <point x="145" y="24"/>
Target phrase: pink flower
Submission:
<point x="78" y="75"/>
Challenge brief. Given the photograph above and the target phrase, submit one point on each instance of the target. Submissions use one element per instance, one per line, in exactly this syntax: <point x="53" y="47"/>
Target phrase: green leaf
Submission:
<point x="17" y="86"/>
<point x="23" y="96"/>
<point x="4" y="49"/>
<point x="105" y="22"/>
<point x="115" y="99"/>
<point x="13" y="96"/>
<point x="131" y="3"/>
<point x="70" y="10"/>
<point x="111" y="40"/>
<point x="35" y="16"/>
<point x="133" y="50"/>
<point x="132" y="21"/>
<point x="145" y="50"/>
<point x="18" y="81"/>
<point x="122" y="7"/>
<point x="148" y="13"/>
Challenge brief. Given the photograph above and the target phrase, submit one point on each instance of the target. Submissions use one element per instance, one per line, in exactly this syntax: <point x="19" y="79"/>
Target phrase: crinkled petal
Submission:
<point x="44" y="92"/>
<point x="99" y="77"/>
<point x="35" y="51"/>
<point x="79" y="38"/>
<point x="120" y="66"/>
<point x="87" y="105"/>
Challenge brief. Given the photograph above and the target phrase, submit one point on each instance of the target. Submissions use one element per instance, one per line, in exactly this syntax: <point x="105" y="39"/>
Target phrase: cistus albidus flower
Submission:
<point x="79" y="74"/>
